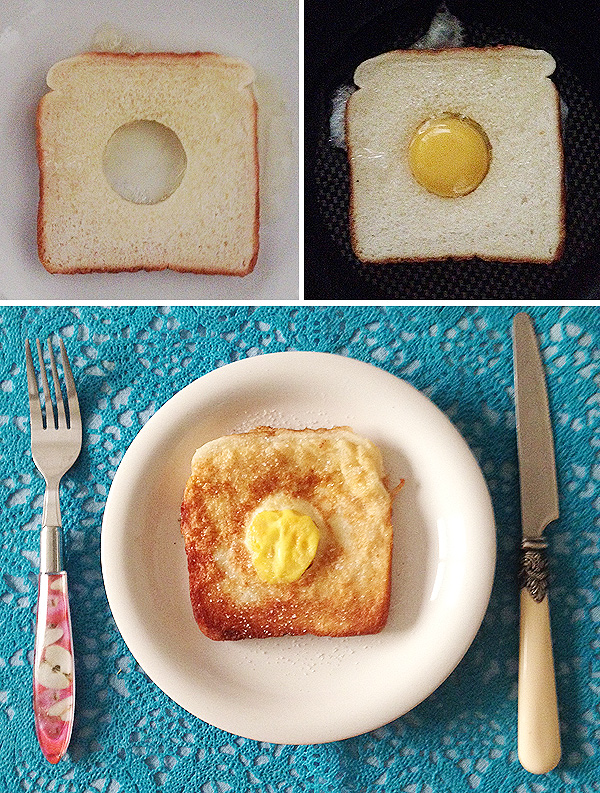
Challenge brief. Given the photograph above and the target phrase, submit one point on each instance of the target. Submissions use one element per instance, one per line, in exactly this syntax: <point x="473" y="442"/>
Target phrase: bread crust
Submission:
<point x="442" y="51"/>
<point x="200" y="267"/>
<point x="415" y="259"/>
<point x="346" y="589"/>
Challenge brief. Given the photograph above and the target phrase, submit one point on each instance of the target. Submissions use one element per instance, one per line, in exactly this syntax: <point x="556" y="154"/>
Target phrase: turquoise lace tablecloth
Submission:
<point x="128" y="736"/>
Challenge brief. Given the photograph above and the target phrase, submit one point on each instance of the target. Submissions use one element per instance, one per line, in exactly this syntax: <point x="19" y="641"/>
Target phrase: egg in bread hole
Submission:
<point x="449" y="155"/>
<point x="456" y="154"/>
<point x="282" y="536"/>
<point x="288" y="532"/>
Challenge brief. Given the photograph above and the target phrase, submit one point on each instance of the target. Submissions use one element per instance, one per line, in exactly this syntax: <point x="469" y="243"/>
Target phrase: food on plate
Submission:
<point x="456" y="153"/>
<point x="288" y="532"/>
<point x="206" y="222"/>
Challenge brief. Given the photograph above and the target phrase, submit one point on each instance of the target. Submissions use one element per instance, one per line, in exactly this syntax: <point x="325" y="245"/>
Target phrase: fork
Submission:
<point x="55" y="445"/>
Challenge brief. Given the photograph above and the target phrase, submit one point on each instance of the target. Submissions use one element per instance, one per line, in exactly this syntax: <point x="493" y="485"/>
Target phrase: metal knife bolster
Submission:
<point x="537" y="469"/>
<point x="533" y="568"/>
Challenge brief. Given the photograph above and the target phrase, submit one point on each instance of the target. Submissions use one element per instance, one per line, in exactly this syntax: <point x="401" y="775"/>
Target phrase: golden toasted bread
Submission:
<point x="334" y="477"/>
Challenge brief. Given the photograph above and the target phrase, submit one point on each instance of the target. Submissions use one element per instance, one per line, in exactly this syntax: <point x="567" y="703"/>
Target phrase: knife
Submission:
<point x="538" y="725"/>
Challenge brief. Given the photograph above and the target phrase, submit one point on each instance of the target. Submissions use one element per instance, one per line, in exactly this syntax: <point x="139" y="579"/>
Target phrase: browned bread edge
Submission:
<point x="220" y="622"/>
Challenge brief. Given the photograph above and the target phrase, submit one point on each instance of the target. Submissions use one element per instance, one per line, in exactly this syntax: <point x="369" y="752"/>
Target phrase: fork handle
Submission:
<point x="53" y="660"/>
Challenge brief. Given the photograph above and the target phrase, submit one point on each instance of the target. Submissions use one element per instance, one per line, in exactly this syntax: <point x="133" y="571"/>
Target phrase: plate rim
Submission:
<point x="293" y="735"/>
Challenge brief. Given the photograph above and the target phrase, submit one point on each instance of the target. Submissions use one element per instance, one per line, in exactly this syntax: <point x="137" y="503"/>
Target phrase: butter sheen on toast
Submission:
<point x="334" y="477"/>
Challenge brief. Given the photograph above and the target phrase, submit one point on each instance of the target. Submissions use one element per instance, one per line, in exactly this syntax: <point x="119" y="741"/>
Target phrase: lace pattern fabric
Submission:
<point x="128" y="736"/>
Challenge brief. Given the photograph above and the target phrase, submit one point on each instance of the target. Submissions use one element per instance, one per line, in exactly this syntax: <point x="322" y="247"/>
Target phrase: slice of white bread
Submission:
<point x="517" y="213"/>
<point x="209" y="224"/>
<point x="331" y="475"/>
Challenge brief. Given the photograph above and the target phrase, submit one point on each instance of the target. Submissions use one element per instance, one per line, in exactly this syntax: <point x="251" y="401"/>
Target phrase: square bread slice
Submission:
<point x="332" y="476"/>
<point x="517" y="213"/>
<point x="209" y="224"/>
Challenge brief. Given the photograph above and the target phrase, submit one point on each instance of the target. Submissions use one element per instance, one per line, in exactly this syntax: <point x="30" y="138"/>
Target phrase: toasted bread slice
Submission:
<point x="333" y="476"/>
<point x="517" y="213"/>
<point x="209" y="224"/>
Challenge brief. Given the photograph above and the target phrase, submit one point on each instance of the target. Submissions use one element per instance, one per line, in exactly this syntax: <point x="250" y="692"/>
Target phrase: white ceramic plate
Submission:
<point x="34" y="35"/>
<point x="302" y="690"/>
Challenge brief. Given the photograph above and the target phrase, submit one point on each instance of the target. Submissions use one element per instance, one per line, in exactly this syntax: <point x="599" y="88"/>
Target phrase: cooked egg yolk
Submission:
<point x="450" y="155"/>
<point x="282" y="544"/>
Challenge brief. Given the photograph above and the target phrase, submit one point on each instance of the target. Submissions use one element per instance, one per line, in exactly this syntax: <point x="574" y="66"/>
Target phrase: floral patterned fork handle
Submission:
<point x="55" y="445"/>
<point x="53" y="677"/>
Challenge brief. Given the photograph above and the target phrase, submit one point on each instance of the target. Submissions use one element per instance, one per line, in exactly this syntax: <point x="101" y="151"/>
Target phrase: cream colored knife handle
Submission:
<point x="538" y="726"/>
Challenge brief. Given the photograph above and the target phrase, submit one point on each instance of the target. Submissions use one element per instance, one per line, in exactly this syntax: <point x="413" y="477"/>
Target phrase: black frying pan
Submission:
<point x="338" y="36"/>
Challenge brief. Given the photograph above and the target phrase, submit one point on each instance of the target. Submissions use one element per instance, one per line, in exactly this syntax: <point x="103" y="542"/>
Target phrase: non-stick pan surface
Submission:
<point x="339" y="36"/>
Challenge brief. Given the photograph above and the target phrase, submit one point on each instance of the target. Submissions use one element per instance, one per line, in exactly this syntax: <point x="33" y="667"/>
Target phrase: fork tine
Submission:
<point x="72" y="399"/>
<point x="48" y="406"/>
<point x="35" y="409"/>
<point x="60" y="405"/>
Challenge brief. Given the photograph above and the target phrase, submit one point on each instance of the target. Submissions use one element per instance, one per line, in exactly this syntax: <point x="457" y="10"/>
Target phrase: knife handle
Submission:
<point x="53" y="669"/>
<point x="538" y="724"/>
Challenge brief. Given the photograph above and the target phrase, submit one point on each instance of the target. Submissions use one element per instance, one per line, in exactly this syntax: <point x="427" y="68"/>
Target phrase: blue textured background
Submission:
<point x="128" y="736"/>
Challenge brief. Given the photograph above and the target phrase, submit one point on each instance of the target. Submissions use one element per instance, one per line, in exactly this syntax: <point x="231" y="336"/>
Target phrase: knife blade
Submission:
<point x="535" y="443"/>
<point x="539" y="747"/>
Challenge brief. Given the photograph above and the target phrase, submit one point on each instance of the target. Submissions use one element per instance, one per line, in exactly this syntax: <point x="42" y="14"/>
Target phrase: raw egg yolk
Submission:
<point x="450" y="155"/>
<point x="282" y="544"/>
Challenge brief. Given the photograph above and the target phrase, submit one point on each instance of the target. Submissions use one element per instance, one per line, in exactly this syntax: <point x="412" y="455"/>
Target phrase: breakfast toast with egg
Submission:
<point x="454" y="154"/>
<point x="288" y="532"/>
<point x="208" y="224"/>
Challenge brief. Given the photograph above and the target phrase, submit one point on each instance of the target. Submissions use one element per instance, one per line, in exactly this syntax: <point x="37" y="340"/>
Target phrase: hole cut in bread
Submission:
<point x="144" y="161"/>
<point x="210" y="221"/>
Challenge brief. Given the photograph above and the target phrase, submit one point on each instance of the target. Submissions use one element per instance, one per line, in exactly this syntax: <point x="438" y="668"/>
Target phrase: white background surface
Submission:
<point x="303" y="689"/>
<point x="34" y="34"/>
